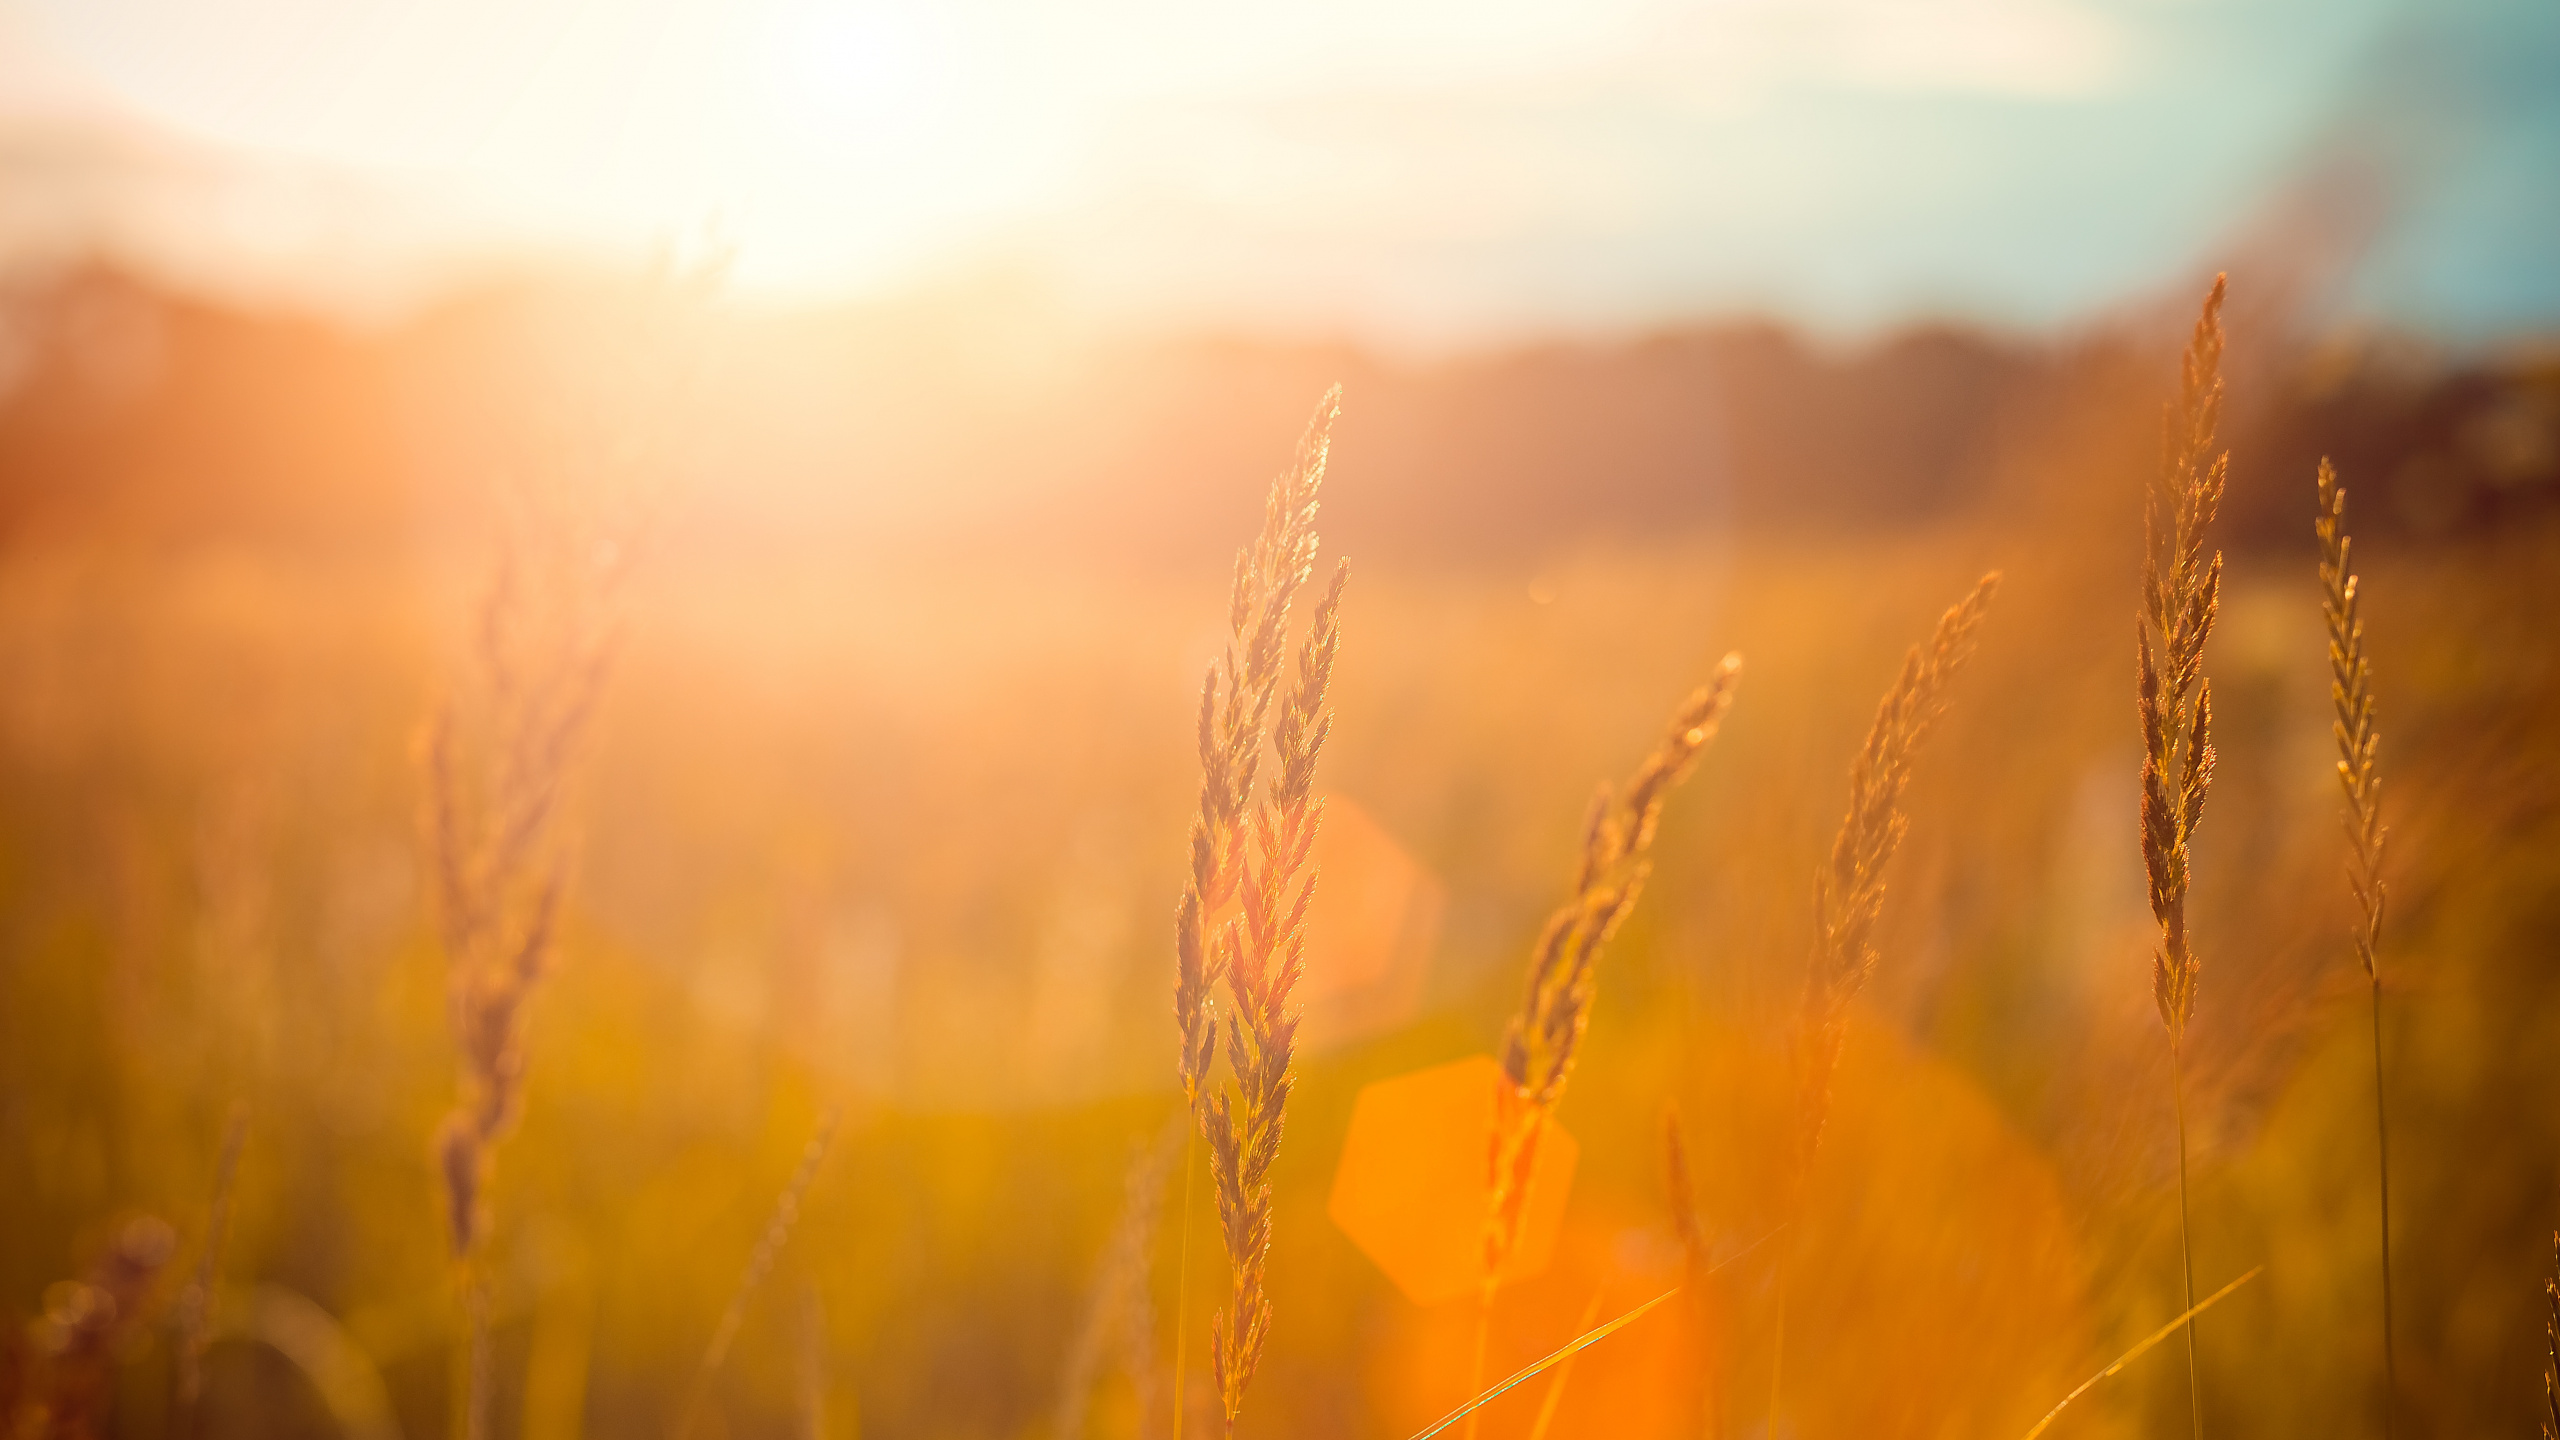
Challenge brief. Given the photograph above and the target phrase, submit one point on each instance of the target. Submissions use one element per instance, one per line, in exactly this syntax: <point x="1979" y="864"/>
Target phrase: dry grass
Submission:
<point x="1544" y="1038"/>
<point x="1848" y="891"/>
<point x="499" y="753"/>
<point x="1689" y="1224"/>
<point x="193" y="1312"/>
<point x="2360" y="776"/>
<point x="1848" y="895"/>
<point x="2551" y="1346"/>
<point x="2181" y="593"/>
<point x="2116" y="1367"/>
<point x="1252" y="853"/>
<point x="769" y="1246"/>
<point x="1120" y="1313"/>
<point x="903" y="849"/>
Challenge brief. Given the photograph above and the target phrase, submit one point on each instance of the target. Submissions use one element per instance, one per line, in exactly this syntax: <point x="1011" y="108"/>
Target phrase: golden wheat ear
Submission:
<point x="1849" y="888"/>
<point x="1543" y="1040"/>
<point x="2181" y="596"/>
<point x="1848" y="895"/>
<point x="2359" y="740"/>
<point x="1240" y="924"/>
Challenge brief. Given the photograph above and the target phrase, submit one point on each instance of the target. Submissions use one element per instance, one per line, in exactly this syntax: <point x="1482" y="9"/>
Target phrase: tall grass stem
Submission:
<point x="2382" y="1151"/>
<point x="2186" y="1245"/>
<point x="1182" y="1276"/>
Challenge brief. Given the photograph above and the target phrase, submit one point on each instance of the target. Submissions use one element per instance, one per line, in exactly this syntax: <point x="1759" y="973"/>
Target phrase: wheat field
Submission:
<point x="589" y="973"/>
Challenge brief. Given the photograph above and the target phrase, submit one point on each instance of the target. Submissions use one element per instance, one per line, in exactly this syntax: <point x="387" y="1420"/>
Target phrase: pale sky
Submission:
<point x="1416" y="171"/>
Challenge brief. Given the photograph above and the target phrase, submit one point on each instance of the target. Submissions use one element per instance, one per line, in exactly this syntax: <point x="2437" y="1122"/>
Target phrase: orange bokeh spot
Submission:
<point x="1411" y="1190"/>
<point x="1370" y="930"/>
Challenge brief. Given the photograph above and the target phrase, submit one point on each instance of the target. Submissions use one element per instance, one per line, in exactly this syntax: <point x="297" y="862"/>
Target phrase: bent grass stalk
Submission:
<point x="1536" y="1368"/>
<point x="1554" y="1400"/>
<point x="1542" y="1041"/>
<point x="2137" y="1352"/>
<point x="1848" y="896"/>
<point x="1242" y="917"/>
<point x="2181" y="593"/>
<point x="1571" y="1348"/>
<point x="777" y="1233"/>
<point x="2360" y="776"/>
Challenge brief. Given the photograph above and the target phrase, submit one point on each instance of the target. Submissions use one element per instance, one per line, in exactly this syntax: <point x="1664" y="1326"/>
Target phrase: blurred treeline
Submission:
<point x="885" y="809"/>
<point x="963" y="421"/>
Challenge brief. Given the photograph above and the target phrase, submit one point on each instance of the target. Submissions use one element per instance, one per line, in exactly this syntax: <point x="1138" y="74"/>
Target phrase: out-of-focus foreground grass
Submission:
<point x="904" y="836"/>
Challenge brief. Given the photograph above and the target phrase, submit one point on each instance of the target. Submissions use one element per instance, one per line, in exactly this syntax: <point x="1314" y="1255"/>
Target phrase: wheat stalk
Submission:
<point x="1848" y="892"/>
<point x="2551" y="1346"/>
<point x="194" y="1310"/>
<point x="1118" y="1306"/>
<point x="1688" y="1223"/>
<point x="777" y="1234"/>
<point x="498" y="761"/>
<point x="1848" y="895"/>
<point x="1243" y="911"/>
<point x="1542" y="1041"/>
<point x="2138" y="1351"/>
<point x="811" y="1346"/>
<point x="2360" y="776"/>
<point x="2181" y="593"/>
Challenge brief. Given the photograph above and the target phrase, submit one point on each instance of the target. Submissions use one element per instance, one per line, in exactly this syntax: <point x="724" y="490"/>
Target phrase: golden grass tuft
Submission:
<point x="1543" y="1040"/>
<point x="499" y="752"/>
<point x="2181" y="594"/>
<point x="2181" y="591"/>
<point x="1252" y="855"/>
<point x="1848" y="891"/>
<point x="2360" y="776"/>
<point x="1848" y="895"/>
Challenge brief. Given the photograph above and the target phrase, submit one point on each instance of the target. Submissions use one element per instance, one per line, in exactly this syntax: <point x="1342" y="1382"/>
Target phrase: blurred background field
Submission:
<point x="885" y="802"/>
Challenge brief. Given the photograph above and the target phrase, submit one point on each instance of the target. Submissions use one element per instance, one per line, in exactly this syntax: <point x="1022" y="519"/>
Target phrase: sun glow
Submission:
<point x="1415" y="171"/>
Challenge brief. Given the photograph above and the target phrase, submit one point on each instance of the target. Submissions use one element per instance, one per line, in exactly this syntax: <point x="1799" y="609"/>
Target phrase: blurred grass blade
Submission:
<point x="1555" y="1392"/>
<point x="2128" y="1357"/>
<point x="1571" y="1348"/>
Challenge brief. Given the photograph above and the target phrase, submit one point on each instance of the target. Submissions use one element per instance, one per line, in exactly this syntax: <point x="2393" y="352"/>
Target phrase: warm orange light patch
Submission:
<point x="1646" y="1382"/>
<point x="1370" y="930"/>
<point x="1411" y="1189"/>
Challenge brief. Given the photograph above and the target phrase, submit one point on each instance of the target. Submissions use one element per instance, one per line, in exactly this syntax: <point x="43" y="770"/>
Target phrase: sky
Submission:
<point x="1413" y="171"/>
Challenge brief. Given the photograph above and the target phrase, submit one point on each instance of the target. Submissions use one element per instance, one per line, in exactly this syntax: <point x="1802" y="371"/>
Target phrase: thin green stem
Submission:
<point x="2186" y="1246"/>
<point x="1182" y="1276"/>
<point x="2382" y="1147"/>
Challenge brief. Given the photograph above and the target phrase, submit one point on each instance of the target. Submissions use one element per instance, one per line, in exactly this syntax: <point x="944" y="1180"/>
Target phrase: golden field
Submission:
<point x="882" y="813"/>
